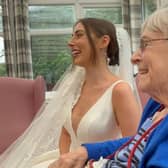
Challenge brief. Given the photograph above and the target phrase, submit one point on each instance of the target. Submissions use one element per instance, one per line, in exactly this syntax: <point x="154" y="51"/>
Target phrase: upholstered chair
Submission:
<point x="20" y="100"/>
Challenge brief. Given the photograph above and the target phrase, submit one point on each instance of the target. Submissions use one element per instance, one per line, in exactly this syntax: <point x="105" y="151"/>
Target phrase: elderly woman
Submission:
<point x="149" y="147"/>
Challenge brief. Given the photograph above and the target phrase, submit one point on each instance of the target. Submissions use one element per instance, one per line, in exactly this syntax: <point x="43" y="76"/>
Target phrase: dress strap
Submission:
<point x="117" y="82"/>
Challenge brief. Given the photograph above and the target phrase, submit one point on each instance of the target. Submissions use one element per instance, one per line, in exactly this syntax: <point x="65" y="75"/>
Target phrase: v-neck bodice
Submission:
<point x="98" y="123"/>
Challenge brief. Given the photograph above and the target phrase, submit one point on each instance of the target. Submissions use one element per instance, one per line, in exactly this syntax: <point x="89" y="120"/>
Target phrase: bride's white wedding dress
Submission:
<point x="97" y="124"/>
<point x="35" y="145"/>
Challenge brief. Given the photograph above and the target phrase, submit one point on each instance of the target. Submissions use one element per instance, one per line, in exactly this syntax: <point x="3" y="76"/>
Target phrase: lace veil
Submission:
<point x="125" y="70"/>
<point x="43" y="133"/>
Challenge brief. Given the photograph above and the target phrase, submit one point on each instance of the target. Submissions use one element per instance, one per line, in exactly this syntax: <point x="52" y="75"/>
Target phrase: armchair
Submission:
<point x="20" y="99"/>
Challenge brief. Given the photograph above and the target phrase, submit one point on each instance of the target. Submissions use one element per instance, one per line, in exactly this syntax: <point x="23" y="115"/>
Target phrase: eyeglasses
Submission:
<point x="144" y="43"/>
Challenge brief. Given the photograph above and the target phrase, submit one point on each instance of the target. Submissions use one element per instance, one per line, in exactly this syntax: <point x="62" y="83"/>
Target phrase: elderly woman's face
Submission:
<point x="152" y="62"/>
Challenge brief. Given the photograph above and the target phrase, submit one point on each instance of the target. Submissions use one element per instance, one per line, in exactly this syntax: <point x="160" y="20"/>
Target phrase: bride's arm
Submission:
<point x="127" y="110"/>
<point x="64" y="141"/>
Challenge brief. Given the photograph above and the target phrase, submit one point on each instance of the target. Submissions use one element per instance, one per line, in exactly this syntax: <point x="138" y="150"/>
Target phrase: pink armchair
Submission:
<point x="20" y="99"/>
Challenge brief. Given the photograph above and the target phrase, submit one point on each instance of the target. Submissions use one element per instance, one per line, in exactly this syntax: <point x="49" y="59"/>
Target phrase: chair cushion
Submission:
<point x="20" y="99"/>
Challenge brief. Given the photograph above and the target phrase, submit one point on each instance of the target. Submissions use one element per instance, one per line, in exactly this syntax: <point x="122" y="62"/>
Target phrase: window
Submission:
<point x="51" y="16"/>
<point x="113" y="14"/>
<point x="51" y="27"/>
<point x="148" y="7"/>
<point x="50" y="56"/>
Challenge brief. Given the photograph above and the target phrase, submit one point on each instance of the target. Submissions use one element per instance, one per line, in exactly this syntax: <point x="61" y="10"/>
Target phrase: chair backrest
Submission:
<point x="20" y="99"/>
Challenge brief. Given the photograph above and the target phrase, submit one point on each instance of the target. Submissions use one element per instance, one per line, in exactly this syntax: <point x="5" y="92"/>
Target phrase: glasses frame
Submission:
<point x="145" y="43"/>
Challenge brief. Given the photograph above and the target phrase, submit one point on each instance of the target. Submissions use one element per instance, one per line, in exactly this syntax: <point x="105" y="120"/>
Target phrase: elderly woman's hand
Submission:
<point x="74" y="159"/>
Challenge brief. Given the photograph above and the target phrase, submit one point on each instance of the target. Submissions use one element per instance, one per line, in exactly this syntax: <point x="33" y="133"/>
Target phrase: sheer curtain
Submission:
<point x="17" y="38"/>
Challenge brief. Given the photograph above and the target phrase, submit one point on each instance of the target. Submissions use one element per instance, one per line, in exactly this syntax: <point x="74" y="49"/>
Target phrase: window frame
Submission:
<point x="79" y="8"/>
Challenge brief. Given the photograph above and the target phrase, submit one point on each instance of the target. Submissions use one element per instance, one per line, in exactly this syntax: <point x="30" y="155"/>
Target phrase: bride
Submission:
<point x="90" y="102"/>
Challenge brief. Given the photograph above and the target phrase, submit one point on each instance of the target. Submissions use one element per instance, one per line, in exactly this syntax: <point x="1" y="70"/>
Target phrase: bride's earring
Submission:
<point x="104" y="54"/>
<point x="106" y="57"/>
<point x="107" y="60"/>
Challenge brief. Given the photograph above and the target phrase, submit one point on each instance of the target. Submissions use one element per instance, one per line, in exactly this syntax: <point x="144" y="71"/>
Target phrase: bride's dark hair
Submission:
<point x="102" y="27"/>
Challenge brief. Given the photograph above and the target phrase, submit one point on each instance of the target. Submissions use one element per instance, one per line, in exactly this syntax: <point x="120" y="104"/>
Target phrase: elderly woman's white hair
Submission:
<point x="157" y="22"/>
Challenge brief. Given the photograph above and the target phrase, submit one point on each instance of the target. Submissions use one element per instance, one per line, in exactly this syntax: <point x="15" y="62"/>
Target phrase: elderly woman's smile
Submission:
<point x="142" y="71"/>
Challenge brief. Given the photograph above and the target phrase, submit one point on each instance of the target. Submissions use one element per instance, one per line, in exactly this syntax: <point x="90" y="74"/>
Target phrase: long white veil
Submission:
<point x="43" y="133"/>
<point x="125" y="69"/>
